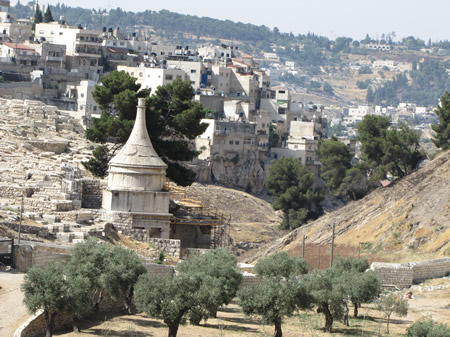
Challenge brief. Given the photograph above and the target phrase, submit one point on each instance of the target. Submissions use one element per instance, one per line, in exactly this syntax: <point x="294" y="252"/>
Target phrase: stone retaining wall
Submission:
<point x="424" y="270"/>
<point x="249" y="280"/>
<point x="168" y="246"/>
<point x="393" y="274"/>
<point x="92" y="193"/>
<point x="35" y="325"/>
<point x="159" y="269"/>
<point x="27" y="255"/>
<point x="406" y="274"/>
<point x="41" y="232"/>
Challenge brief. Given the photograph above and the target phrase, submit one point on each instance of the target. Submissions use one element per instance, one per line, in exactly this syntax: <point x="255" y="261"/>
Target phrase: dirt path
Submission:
<point x="12" y="311"/>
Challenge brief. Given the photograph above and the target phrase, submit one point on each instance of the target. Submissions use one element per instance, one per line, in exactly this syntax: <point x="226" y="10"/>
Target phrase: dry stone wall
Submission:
<point x="168" y="246"/>
<point x="406" y="274"/>
<point x="92" y="193"/>
<point x="28" y="255"/>
<point x="424" y="270"/>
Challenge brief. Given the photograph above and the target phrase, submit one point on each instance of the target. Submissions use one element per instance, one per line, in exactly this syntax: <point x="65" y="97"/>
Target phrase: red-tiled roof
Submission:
<point x="18" y="46"/>
<point x="117" y="50"/>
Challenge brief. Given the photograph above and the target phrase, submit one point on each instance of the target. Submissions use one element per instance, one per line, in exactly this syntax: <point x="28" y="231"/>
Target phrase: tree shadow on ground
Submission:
<point x="240" y="320"/>
<point x="227" y="327"/>
<point x="353" y="332"/>
<point x="145" y="322"/>
<point x="116" y="333"/>
<point x="391" y="321"/>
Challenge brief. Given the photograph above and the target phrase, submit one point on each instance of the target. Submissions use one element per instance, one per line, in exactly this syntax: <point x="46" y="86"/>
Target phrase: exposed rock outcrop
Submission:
<point x="243" y="172"/>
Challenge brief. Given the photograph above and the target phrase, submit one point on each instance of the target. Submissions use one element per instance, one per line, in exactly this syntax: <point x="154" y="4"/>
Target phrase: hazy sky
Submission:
<point x="354" y="18"/>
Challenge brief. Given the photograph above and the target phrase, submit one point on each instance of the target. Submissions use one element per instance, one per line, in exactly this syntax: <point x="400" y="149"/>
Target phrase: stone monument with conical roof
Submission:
<point x="135" y="199"/>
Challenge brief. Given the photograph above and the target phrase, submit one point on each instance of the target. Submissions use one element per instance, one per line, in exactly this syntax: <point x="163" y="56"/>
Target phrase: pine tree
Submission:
<point x="48" y="17"/>
<point x="442" y="138"/>
<point x="38" y="15"/>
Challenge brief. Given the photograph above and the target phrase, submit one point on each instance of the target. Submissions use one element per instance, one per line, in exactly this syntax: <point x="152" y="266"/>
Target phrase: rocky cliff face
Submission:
<point x="248" y="173"/>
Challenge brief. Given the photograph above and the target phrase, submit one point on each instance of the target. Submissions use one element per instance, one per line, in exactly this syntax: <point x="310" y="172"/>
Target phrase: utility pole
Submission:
<point x="20" y="223"/>
<point x="318" y="264"/>
<point x="332" y="247"/>
<point x="303" y="246"/>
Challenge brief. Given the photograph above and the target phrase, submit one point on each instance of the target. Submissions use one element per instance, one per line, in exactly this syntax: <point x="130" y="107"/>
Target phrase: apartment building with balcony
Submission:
<point x="16" y="30"/>
<point x="83" y="47"/>
<point x="152" y="78"/>
<point x="230" y="138"/>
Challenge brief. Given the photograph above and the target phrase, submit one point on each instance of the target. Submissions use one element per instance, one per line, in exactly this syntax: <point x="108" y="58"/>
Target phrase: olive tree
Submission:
<point x="122" y="271"/>
<point x="362" y="285"/>
<point x="280" y="294"/>
<point x="46" y="289"/>
<point x="328" y="293"/>
<point x="218" y="278"/>
<point x="167" y="298"/>
<point x="392" y="303"/>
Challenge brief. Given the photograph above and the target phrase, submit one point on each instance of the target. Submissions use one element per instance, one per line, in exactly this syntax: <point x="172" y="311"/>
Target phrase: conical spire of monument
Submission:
<point x="138" y="150"/>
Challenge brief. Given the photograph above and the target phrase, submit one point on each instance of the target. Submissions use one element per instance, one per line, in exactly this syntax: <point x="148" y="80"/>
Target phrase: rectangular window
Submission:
<point x="231" y="142"/>
<point x="282" y="111"/>
<point x="169" y="77"/>
<point x="193" y="71"/>
<point x="237" y="142"/>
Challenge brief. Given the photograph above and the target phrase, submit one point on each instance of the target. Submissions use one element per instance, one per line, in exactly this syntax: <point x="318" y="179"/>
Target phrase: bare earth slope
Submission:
<point x="414" y="213"/>
<point x="253" y="221"/>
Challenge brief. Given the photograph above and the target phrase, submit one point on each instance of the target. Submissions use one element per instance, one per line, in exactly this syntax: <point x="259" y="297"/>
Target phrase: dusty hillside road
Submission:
<point x="12" y="311"/>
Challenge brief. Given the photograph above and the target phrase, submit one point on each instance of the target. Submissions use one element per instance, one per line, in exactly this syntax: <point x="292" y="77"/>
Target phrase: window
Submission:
<point x="282" y="111"/>
<point x="263" y="125"/>
<point x="231" y="142"/>
<point x="236" y="142"/>
<point x="95" y="108"/>
<point x="282" y="92"/>
<point x="169" y="77"/>
<point x="122" y="43"/>
<point x="60" y="33"/>
<point x="193" y="71"/>
<point x="82" y="95"/>
<point x="140" y="74"/>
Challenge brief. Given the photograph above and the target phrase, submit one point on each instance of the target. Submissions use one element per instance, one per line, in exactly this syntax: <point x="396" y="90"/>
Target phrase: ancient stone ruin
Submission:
<point x="135" y="200"/>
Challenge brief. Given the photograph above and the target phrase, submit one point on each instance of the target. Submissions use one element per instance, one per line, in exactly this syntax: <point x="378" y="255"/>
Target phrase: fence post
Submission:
<point x="319" y="257"/>
<point x="303" y="246"/>
<point x="332" y="247"/>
